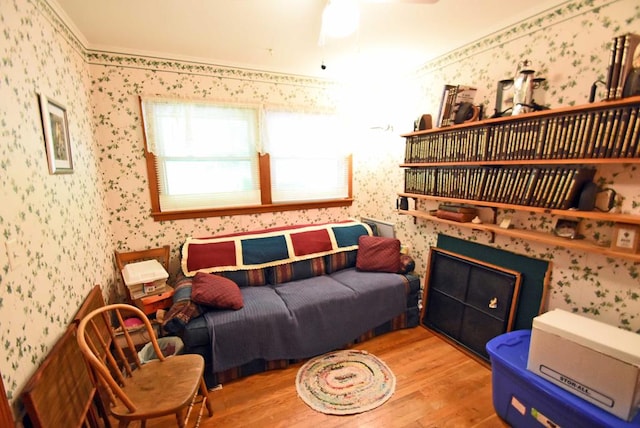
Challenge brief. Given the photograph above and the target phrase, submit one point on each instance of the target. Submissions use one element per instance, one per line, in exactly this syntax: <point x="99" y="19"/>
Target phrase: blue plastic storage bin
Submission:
<point x="524" y="399"/>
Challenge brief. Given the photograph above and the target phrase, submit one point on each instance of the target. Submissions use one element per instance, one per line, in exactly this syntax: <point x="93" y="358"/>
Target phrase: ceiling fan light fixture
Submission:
<point x="340" y="18"/>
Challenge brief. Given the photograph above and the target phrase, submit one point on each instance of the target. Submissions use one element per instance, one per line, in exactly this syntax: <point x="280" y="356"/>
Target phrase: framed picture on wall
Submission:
<point x="56" y="136"/>
<point x="625" y="237"/>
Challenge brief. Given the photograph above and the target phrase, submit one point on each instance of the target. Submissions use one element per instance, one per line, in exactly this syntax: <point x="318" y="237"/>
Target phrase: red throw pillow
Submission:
<point x="217" y="291"/>
<point x="378" y="254"/>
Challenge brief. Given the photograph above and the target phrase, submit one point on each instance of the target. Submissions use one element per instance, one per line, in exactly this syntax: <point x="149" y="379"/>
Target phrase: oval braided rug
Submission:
<point x="345" y="382"/>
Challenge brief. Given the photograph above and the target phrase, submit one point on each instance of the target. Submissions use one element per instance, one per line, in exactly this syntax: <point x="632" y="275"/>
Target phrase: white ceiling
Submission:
<point x="282" y="35"/>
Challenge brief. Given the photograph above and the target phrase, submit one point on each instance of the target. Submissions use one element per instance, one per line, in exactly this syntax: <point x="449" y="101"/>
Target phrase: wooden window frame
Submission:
<point x="266" y="205"/>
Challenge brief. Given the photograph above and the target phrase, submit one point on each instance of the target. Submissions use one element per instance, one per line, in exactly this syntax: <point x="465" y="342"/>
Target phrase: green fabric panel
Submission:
<point x="533" y="273"/>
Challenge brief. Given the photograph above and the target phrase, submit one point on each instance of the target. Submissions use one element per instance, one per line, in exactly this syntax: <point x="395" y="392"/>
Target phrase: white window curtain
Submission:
<point x="206" y="154"/>
<point x="308" y="155"/>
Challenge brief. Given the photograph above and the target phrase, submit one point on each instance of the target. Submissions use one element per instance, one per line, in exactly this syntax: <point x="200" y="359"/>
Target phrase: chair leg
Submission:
<point x="123" y="424"/>
<point x="180" y="419"/>
<point x="205" y="394"/>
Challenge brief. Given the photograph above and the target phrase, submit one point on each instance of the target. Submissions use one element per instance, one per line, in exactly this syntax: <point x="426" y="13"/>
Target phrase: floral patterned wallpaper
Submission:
<point x="569" y="46"/>
<point x="59" y="223"/>
<point x="67" y="226"/>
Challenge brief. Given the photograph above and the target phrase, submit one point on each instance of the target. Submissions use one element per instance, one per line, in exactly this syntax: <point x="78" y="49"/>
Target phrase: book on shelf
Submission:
<point x="452" y="97"/>
<point x="541" y="141"/>
<point x="596" y="122"/>
<point x="634" y="147"/>
<point x="555" y="199"/>
<point x="459" y="217"/>
<point x="445" y="106"/>
<point x="612" y="60"/>
<point x="530" y="184"/>
<point x="612" y="133"/>
<point x="457" y="208"/>
<point x="620" y="132"/>
<point x="547" y="195"/>
<point x="580" y="137"/>
<point x="614" y="72"/>
<point x="605" y="137"/>
<point x="629" y="53"/>
<point x="627" y="138"/>
<point x="543" y="177"/>
<point x="579" y="178"/>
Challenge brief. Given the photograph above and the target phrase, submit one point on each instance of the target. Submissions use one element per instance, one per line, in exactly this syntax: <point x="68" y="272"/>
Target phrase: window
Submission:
<point x="204" y="159"/>
<point x="308" y="159"/>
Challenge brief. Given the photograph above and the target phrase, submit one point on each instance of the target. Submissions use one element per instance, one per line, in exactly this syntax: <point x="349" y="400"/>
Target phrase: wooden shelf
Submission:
<point x="492" y="152"/>
<point x="529" y="235"/>
<point x="588" y="161"/>
<point x="593" y="215"/>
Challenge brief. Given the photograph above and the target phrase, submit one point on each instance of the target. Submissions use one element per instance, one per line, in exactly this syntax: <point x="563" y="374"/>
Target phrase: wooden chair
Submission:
<point x="61" y="391"/>
<point x="162" y="254"/>
<point x="168" y="385"/>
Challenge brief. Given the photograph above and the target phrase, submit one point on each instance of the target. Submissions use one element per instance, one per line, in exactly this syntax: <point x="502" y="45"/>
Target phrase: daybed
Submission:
<point x="255" y="301"/>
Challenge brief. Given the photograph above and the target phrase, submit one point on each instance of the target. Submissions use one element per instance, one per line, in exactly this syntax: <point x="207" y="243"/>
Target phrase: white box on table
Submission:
<point x="592" y="359"/>
<point x="145" y="278"/>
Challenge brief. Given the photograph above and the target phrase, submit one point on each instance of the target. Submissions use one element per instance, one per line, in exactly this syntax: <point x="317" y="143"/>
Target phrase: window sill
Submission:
<point x="254" y="209"/>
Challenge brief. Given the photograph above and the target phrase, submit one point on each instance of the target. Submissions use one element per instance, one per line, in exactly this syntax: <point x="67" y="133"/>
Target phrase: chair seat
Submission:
<point x="159" y="388"/>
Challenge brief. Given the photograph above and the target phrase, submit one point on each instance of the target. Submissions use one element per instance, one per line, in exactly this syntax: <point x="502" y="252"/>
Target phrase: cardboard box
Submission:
<point x="595" y="361"/>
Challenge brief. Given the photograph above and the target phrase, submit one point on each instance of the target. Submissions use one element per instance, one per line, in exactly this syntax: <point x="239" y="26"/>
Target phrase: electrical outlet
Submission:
<point x="14" y="254"/>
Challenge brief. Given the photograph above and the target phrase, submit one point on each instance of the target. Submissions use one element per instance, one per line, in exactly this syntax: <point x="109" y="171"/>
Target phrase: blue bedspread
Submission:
<point x="301" y="319"/>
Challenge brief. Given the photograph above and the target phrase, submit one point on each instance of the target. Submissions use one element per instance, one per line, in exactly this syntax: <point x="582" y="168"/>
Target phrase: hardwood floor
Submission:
<point x="437" y="385"/>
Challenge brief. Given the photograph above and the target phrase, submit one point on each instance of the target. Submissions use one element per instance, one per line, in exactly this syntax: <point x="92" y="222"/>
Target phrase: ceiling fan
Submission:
<point x="341" y="18"/>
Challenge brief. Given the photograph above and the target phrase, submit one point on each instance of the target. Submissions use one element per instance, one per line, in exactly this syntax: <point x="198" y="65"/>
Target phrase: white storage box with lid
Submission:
<point x="594" y="360"/>
<point x="145" y="278"/>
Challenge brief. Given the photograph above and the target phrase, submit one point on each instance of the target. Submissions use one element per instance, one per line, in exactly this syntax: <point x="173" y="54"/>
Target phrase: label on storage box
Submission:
<point x="592" y="360"/>
<point x="577" y="387"/>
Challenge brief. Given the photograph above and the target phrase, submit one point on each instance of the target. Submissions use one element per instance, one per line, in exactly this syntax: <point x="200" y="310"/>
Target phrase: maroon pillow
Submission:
<point x="217" y="291"/>
<point x="378" y="254"/>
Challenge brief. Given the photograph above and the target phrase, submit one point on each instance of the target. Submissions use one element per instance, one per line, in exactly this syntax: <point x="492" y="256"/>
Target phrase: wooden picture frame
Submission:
<point x="625" y="237"/>
<point x="55" y="126"/>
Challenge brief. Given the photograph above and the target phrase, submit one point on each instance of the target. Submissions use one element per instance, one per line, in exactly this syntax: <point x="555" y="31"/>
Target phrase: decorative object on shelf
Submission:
<point x="523" y="89"/>
<point x="626" y="237"/>
<point x="506" y="223"/>
<point x="402" y="203"/>
<point x="56" y="136"/>
<point x="423" y="123"/>
<point x="467" y="112"/>
<point x="567" y="228"/>
<point x="605" y="199"/>
<point x="632" y="84"/>
<point x="476" y="220"/>
<point x="504" y="98"/>
<point x="594" y="198"/>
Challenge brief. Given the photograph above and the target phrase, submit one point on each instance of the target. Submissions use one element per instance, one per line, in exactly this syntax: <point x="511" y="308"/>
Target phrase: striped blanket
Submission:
<point x="270" y="247"/>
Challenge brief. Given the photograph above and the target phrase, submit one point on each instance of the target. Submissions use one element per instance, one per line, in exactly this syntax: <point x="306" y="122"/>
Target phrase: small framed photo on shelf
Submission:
<point x="56" y="136"/>
<point x="625" y="238"/>
<point x="567" y="228"/>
